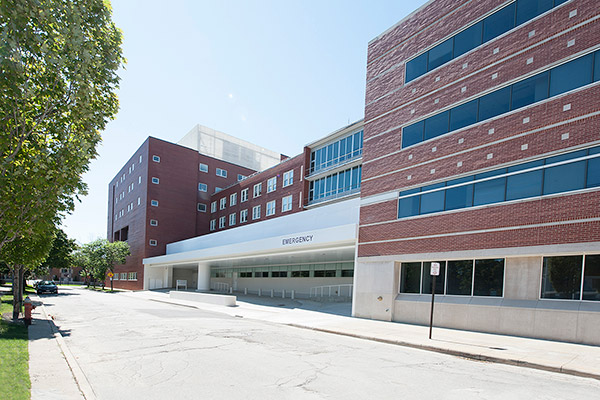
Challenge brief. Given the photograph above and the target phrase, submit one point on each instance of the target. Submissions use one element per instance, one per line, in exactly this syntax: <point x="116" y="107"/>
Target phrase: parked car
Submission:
<point x="47" y="287"/>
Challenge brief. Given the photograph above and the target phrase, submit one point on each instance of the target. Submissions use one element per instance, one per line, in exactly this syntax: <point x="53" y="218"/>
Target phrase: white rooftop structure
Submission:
<point x="219" y="145"/>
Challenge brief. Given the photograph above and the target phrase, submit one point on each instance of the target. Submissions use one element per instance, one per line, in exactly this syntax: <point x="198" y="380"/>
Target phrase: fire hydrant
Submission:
<point x="28" y="309"/>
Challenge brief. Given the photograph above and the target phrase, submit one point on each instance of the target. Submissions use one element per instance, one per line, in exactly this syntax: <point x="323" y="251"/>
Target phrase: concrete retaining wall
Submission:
<point x="219" y="299"/>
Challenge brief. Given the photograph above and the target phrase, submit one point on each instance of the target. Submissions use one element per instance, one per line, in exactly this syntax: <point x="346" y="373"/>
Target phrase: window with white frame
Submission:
<point x="213" y="207"/>
<point x="257" y="189"/>
<point x="221" y="222"/>
<point x="154" y="203"/>
<point x="233" y="199"/>
<point x="155" y="180"/>
<point x="140" y="159"/>
<point x="116" y="277"/>
<point x="256" y="212"/>
<point x="153" y="242"/>
<point x="222" y="203"/>
<point x="243" y="216"/>
<point x="139" y="180"/>
<point x="201" y="207"/>
<point x="218" y="189"/>
<point x="153" y="222"/>
<point x="272" y="184"/>
<point x="222" y="172"/>
<point x="124" y="274"/>
<point x="133" y="276"/>
<point x="244" y="195"/>
<point x="241" y="177"/>
<point x="139" y="200"/>
<point x="288" y="178"/>
<point x="286" y="203"/>
<point x="231" y="219"/>
<point x="203" y="167"/>
<point x="270" y="208"/>
<point x="202" y="187"/>
<point x="156" y="158"/>
<point x="213" y="224"/>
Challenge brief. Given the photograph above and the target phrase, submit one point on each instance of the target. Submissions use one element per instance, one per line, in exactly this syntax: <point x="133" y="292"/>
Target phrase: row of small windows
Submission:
<point x="459" y="278"/>
<point x="331" y="270"/>
<point x="335" y="185"/>
<point x="130" y="188"/>
<point x="571" y="75"/>
<point x="563" y="173"/>
<point x="271" y="206"/>
<point x="337" y="152"/>
<point x="130" y="207"/>
<point x="481" y="32"/>
<point x="125" y="276"/>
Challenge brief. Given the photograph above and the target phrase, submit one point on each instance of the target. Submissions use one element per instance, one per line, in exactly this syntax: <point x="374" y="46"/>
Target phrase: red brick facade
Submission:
<point x="527" y="133"/>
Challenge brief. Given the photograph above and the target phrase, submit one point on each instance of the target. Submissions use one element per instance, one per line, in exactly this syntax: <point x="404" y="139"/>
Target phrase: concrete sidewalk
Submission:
<point x="569" y="358"/>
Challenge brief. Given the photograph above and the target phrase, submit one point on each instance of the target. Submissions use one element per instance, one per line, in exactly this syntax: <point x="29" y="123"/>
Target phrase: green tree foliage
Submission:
<point x="101" y="256"/>
<point x="60" y="254"/>
<point x="58" y="77"/>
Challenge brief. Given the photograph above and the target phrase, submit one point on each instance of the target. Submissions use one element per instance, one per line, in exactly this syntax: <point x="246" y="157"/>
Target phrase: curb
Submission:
<point x="457" y="353"/>
<point x="80" y="379"/>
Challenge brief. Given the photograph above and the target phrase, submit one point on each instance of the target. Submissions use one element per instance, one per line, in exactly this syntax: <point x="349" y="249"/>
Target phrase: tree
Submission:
<point x="60" y="254"/>
<point x="103" y="255"/>
<point x="80" y="259"/>
<point x="58" y="77"/>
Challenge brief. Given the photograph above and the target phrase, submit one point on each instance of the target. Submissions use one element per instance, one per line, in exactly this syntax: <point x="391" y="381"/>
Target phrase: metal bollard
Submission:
<point x="245" y="290"/>
<point x="292" y="295"/>
<point x="271" y="292"/>
<point x="230" y="290"/>
<point x="283" y="294"/>
<point x="259" y="292"/>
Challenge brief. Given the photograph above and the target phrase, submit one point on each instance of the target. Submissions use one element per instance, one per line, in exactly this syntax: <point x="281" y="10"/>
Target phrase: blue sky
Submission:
<point x="279" y="74"/>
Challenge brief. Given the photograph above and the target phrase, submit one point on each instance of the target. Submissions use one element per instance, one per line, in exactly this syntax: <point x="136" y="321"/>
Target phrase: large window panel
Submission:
<point x="440" y="54"/>
<point x="468" y="39"/>
<point x="491" y="191"/>
<point x="571" y="75"/>
<point x="591" y="278"/>
<point x="412" y="134"/>
<point x="432" y="202"/>
<point x="499" y="22"/>
<point x="461" y="196"/>
<point x="593" y="169"/>
<point x="410" y="279"/>
<point x="463" y="115"/>
<point x="459" y="278"/>
<point x="489" y="277"/>
<point x="494" y="103"/>
<point x="530" y="90"/>
<point x="440" y="281"/>
<point x="436" y="125"/>
<point x="416" y="67"/>
<point x="528" y="184"/>
<point x="563" y="178"/>
<point x="529" y="9"/>
<point x="561" y="277"/>
<point x="409" y="206"/>
<point x="597" y="66"/>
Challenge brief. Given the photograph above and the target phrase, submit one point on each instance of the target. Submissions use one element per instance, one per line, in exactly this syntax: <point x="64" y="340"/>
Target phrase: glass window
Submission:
<point x="202" y="187"/>
<point x="409" y="206"/>
<point x="597" y="66"/>
<point x="529" y="9"/>
<point x="528" y="184"/>
<point x="564" y="177"/>
<point x="491" y="191"/>
<point x="432" y="202"/>
<point x="591" y="278"/>
<point x="410" y="279"/>
<point x="201" y="207"/>
<point x="494" y="103"/>
<point x="243" y="216"/>
<point x="221" y="172"/>
<point x="460" y="277"/>
<point x="203" y="167"/>
<point x="489" y="277"/>
<point x="270" y="208"/>
<point x="440" y="54"/>
<point x="593" y="169"/>
<point x="561" y="277"/>
<point x="436" y="125"/>
<point x="530" y="90"/>
<point x="271" y="184"/>
<point x="459" y="197"/>
<point x="468" y="39"/>
<point x="571" y="75"/>
<point x="463" y="115"/>
<point x="412" y="134"/>
<point x="499" y="22"/>
<point x="416" y="67"/>
<point x="440" y="281"/>
<point x="244" y="195"/>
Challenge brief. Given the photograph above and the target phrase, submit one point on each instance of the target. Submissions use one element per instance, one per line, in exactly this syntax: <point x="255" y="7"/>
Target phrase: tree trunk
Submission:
<point x="17" y="290"/>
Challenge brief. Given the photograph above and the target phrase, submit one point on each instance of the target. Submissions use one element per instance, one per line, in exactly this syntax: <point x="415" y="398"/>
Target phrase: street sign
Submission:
<point x="435" y="269"/>
<point x="110" y="274"/>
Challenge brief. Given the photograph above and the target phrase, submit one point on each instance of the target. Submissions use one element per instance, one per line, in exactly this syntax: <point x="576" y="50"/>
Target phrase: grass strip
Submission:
<point x="14" y="357"/>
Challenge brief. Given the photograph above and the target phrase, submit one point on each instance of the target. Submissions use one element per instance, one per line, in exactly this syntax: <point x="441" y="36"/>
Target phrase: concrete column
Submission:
<point x="375" y="289"/>
<point x="203" y="277"/>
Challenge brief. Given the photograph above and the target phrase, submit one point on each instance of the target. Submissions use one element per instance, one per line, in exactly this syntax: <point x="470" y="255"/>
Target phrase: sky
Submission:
<point x="279" y="74"/>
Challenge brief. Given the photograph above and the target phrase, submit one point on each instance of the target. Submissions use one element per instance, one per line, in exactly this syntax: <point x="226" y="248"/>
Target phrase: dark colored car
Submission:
<point x="47" y="287"/>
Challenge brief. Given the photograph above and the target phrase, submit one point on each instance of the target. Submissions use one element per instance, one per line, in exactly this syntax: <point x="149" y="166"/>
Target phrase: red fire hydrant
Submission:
<point x="28" y="309"/>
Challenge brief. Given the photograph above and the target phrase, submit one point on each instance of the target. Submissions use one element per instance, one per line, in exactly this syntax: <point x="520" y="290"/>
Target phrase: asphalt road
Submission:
<point x="135" y="348"/>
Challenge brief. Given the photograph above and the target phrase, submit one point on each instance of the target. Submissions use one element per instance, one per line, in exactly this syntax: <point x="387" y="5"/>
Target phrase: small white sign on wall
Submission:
<point x="435" y="269"/>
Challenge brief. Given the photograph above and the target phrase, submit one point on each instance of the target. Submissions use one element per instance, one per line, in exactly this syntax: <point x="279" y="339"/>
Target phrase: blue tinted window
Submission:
<point x="488" y="192"/>
<point x="557" y="2"/>
<point x="597" y="67"/>
<point x="412" y="134"/>
<point x="567" y="156"/>
<point x="432" y="202"/>
<point x="416" y="67"/>
<point x="463" y="115"/>
<point x="530" y="90"/>
<point x="495" y="103"/>
<point x="565" y="177"/>
<point x="436" y="125"/>
<point x="459" y="197"/>
<point x="499" y="22"/>
<point x="593" y="172"/>
<point x="529" y="9"/>
<point x="408" y="207"/>
<point x="440" y="54"/>
<point x="571" y="75"/>
<point x="521" y="186"/>
<point x="468" y="39"/>
<point x="440" y="281"/>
